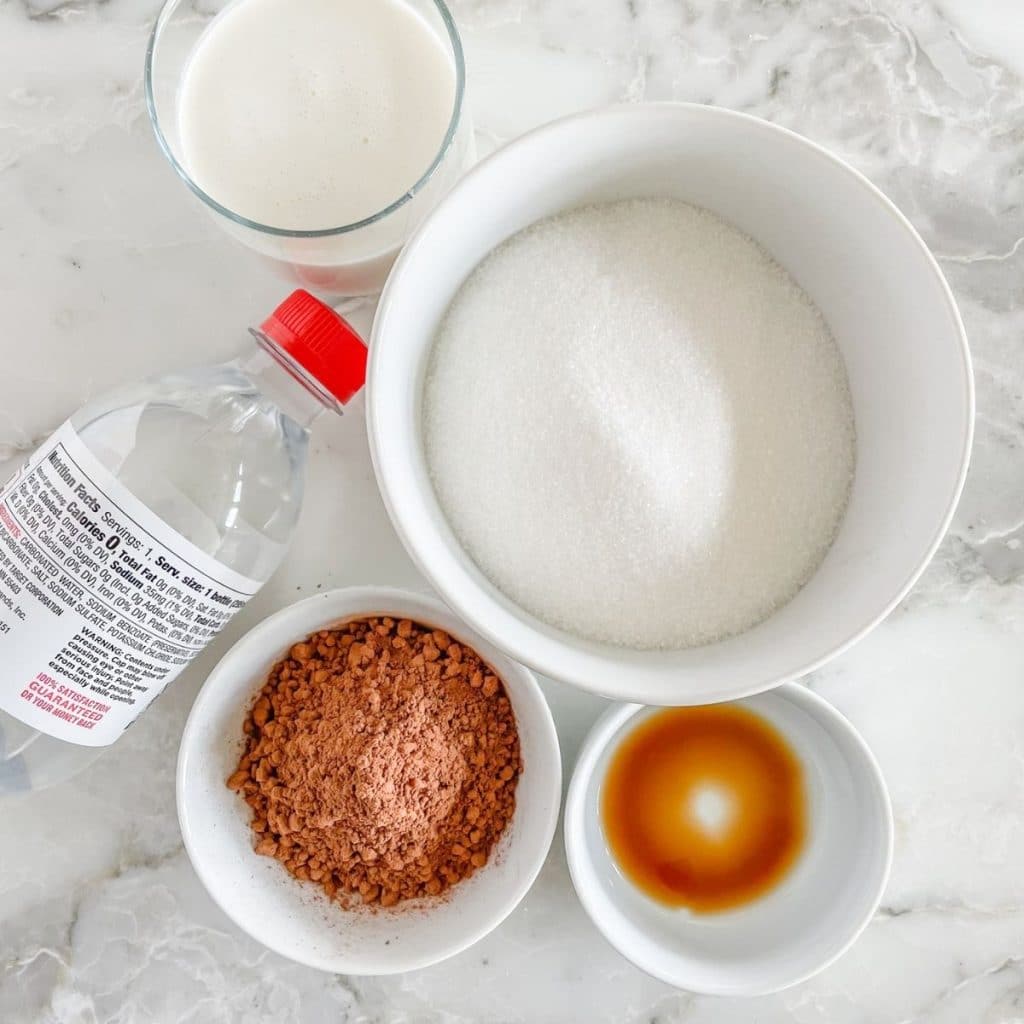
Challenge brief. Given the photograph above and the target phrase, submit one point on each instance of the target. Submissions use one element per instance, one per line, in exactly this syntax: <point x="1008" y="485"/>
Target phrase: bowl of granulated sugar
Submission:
<point x="669" y="403"/>
<point x="367" y="786"/>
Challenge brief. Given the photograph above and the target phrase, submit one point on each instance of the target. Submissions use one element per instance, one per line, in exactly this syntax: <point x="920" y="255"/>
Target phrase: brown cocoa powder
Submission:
<point x="381" y="761"/>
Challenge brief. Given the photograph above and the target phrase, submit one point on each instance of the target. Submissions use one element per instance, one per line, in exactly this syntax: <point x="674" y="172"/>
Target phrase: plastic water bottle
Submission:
<point x="134" y="534"/>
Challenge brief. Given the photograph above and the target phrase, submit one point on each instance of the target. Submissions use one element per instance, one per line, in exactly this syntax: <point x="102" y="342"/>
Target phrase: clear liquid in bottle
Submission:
<point x="136" y="532"/>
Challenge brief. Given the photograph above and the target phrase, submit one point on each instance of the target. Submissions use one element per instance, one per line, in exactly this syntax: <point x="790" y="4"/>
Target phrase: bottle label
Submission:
<point x="101" y="602"/>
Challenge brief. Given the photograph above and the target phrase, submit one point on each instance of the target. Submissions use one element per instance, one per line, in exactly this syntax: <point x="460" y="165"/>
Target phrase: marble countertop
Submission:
<point x="108" y="271"/>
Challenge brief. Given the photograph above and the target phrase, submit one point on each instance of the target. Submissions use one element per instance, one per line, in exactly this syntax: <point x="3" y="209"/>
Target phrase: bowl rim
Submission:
<point x="370" y="597"/>
<point x="557" y="658"/>
<point x="610" y="725"/>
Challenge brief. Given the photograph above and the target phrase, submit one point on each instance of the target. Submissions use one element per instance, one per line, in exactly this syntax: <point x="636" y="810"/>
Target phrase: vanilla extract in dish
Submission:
<point x="639" y="426"/>
<point x="704" y="807"/>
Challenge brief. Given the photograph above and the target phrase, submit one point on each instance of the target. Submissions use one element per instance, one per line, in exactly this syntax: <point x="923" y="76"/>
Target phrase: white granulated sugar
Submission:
<point x="639" y="426"/>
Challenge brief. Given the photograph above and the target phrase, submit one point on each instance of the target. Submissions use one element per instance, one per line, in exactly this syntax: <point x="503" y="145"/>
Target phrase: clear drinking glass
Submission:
<point x="347" y="259"/>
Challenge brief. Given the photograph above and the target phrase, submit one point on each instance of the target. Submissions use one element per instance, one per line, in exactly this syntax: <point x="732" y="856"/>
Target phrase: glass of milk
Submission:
<point x="319" y="133"/>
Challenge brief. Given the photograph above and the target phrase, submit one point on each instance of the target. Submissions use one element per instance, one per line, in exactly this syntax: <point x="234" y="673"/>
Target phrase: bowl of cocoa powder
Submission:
<point x="365" y="785"/>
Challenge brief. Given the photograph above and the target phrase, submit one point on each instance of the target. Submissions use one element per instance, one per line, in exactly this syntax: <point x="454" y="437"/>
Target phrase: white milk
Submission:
<point x="313" y="114"/>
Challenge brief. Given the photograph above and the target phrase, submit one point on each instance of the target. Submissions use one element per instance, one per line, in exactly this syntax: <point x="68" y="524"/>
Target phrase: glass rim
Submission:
<point x="446" y="143"/>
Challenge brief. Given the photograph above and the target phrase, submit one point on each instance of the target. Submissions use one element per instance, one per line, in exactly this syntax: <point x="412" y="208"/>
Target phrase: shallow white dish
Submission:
<point x="793" y="931"/>
<point x="853" y="252"/>
<point x="296" y="919"/>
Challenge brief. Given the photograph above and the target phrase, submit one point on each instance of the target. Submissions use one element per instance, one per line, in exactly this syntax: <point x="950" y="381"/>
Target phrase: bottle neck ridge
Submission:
<point x="289" y="385"/>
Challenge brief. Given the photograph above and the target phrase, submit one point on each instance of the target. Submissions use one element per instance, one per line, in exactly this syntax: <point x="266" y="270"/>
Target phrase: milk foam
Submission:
<point x="313" y="114"/>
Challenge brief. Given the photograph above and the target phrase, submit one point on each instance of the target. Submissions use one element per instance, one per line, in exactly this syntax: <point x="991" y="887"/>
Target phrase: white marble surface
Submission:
<point x="108" y="271"/>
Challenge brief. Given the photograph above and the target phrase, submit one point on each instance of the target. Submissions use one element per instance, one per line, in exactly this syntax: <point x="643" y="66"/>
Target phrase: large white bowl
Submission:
<point x="790" y="933"/>
<point x="855" y="254"/>
<point x="296" y="919"/>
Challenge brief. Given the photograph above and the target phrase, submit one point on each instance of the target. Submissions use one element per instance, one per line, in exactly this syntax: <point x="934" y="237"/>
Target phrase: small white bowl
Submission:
<point x="793" y="931"/>
<point x="854" y="253"/>
<point x="296" y="919"/>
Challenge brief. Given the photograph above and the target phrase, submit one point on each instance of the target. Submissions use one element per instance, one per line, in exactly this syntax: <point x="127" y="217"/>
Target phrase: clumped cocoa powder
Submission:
<point x="381" y="760"/>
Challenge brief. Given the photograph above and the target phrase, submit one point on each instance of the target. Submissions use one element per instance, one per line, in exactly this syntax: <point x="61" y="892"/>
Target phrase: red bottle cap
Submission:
<point x="320" y="341"/>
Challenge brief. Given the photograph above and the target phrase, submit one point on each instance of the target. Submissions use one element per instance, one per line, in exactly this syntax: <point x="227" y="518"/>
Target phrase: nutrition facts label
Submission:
<point x="101" y="602"/>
